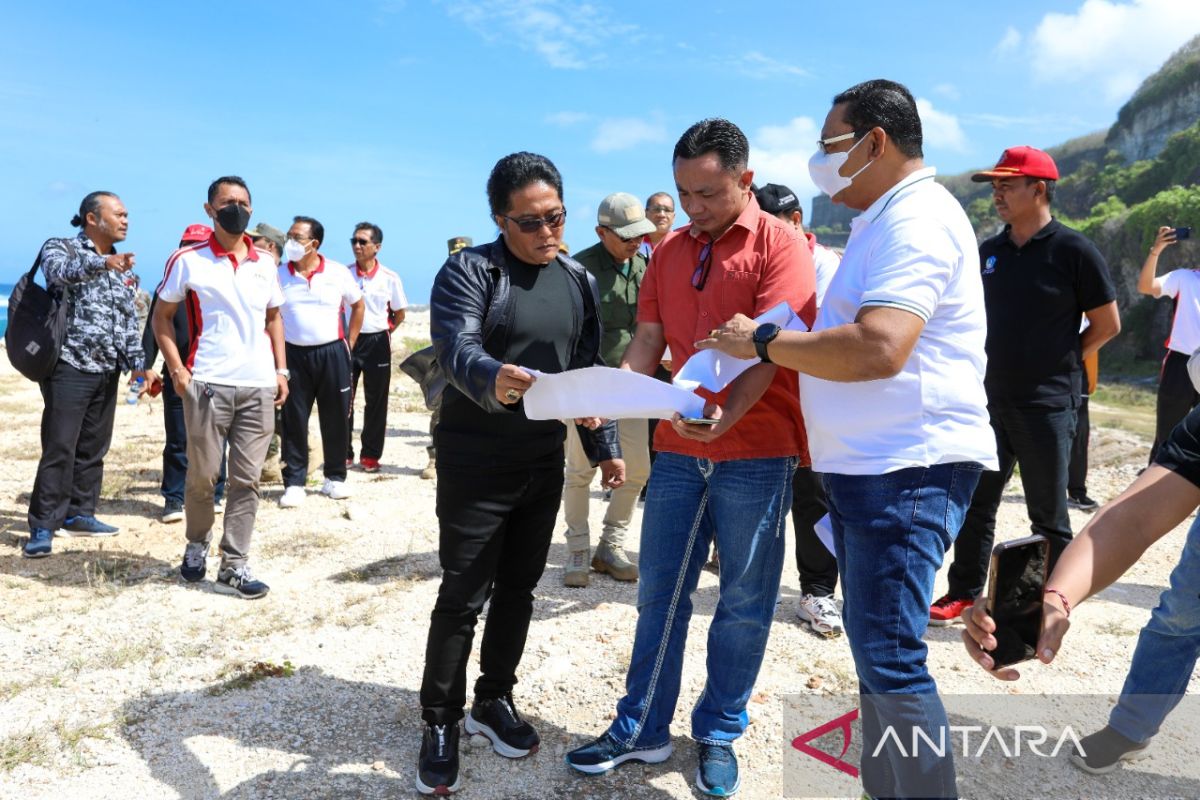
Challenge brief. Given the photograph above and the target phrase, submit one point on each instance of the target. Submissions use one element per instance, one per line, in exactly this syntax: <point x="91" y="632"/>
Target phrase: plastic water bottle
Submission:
<point x="135" y="389"/>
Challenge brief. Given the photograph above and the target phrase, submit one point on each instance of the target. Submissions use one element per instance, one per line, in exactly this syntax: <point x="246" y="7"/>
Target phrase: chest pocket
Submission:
<point x="255" y="287"/>
<point x="738" y="289"/>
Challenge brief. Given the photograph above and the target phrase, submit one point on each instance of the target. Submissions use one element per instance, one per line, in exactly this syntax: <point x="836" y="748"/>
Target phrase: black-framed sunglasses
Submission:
<point x="700" y="274"/>
<point x="360" y="242"/>
<point x="534" y="224"/>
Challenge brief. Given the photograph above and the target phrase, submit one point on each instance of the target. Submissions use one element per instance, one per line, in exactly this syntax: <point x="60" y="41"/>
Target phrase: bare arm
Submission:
<point x="1147" y="283"/>
<point x="645" y="351"/>
<point x="1104" y="322"/>
<point x="275" y="333"/>
<point x="357" y="309"/>
<point x="876" y="345"/>
<point x="161" y="321"/>
<point x="397" y="317"/>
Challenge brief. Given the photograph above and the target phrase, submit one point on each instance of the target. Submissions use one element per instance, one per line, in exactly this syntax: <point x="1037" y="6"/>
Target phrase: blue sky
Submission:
<point x="394" y="111"/>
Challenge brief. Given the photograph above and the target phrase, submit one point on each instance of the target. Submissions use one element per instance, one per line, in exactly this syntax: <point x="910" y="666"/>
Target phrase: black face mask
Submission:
<point x="233" y="218"/>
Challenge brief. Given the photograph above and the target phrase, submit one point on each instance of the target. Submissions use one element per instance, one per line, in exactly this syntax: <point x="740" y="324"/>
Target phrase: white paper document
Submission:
<point x="714" y="370"/>
<point x="620" y="394"/>
<point x="824" y="529"/>
<point x="607" y="392"/>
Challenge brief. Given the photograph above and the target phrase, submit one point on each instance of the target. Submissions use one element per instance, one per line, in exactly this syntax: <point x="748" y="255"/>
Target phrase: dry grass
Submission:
<point x="244" y="675"/>
<point x="28" y="747"/>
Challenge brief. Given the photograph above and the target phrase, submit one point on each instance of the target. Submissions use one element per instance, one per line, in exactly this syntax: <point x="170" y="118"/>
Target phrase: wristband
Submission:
<point x="1066" y="603"/>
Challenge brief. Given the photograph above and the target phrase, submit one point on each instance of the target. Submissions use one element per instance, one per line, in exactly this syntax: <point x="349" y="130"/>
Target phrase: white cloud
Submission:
<point x="940" y="128"/>
<point x="567" y="119"/>
<point x="623" y="133"/>
<point x="780" y="153"/>
<point x="1010" y="42"/>
<point x="1114" y="44"/>
<point x="565" y="33"/>
<point x="756" y="65"/>
<point x="947" y="90"/>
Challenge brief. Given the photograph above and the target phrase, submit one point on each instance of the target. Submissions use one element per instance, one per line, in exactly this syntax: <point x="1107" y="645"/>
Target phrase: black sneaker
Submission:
<point x="172" y="511"/>
<point x="240" y="583"/>
<point x="194" y="564"/>
<point x="39" y="543"/>
<point x="437" y="765"/>
<point x="511" y="736"/>
<point x="1104" y="750"/>
<point x="1081" y="502"/>
<point x="87" y="526"/>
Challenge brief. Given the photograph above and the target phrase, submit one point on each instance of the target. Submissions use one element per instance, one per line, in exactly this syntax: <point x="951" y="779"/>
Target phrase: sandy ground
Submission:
<point x="118" y="681"/>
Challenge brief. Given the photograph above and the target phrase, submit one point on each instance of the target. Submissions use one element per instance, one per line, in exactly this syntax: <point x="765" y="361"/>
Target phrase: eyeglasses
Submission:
<point x="700" y="274"/>
<point x="299" y="238"/>
<point x="534" y="224"/>
<point x="360" y="242"/>
<point x="822" y="144"/>
<point x="625" y="239"/>
<point x="660" y="210"/>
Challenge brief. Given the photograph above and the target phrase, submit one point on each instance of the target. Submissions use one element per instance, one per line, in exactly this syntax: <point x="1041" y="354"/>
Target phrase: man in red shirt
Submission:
<point x="728" y="481"/>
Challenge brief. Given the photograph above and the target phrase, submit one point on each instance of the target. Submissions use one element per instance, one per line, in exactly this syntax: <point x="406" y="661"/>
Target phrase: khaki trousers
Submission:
<point x="635" y="449"/>
<point x="243" y="417"/>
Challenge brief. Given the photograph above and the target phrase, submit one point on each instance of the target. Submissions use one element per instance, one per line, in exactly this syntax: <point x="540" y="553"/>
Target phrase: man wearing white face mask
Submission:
<point x="892" y="388"/>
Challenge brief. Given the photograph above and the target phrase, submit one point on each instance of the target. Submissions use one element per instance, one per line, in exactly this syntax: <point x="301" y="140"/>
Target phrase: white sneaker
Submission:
<point x="292" y="497"/>
<point x="821" y="613"/>
<point x="336" y="490"/>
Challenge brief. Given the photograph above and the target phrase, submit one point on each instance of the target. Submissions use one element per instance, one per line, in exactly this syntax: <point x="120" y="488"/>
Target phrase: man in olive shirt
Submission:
<point x="618" y="267"/>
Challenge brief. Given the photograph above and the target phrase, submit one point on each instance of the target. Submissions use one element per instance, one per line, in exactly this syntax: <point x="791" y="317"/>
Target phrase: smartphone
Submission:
<point x="699" y="421"/>
<point x="156" y="387"/>
<point x="1016" y="585"/>
<point x="1183" y="233"/>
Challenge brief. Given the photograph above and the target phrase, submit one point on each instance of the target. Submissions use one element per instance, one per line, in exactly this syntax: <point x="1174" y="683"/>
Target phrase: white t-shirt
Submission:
<point x="913" y="249"/>
<point x="227" y="311"/>
<point x="825" y="262"/>
<point x="1184" y="285"/>
<point x="383" y="293"/>
<point x="313" y="313"/>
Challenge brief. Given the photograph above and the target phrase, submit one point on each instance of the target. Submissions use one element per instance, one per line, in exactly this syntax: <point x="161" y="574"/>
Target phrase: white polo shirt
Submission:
<point x="313" y="313"/>
<point x="915" y="250"/>
<point x="227" y="311"/>
<point x="383" y="293"/>
<point x="1184" y="286"/>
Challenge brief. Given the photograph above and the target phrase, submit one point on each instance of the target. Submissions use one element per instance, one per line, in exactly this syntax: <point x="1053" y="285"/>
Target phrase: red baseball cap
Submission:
<point x="1024" y="160"/>
<point x="195" y="233"/>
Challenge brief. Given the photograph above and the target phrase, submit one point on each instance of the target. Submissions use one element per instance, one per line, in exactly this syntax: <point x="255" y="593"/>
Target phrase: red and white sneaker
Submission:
<point x="946" y="610"/>
<point x="369" y="464"/>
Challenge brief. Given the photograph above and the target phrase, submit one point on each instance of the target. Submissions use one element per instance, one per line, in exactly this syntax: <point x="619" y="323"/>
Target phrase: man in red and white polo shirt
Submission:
<point x="318" y="358"/>
<point x="233" y="376"/>
<point x="383" y="295"/>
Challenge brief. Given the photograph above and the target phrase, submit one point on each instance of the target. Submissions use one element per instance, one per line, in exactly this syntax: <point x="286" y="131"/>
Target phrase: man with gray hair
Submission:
<point x="618" y="267"/>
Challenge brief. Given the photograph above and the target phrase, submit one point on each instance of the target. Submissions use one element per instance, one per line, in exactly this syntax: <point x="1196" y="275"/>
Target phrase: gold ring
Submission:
<point x="713" y="333"/>
<point x="513" y="394"/>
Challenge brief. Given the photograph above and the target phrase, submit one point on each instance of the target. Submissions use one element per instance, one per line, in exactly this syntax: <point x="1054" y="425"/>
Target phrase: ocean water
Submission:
<point x="5" y="290"/>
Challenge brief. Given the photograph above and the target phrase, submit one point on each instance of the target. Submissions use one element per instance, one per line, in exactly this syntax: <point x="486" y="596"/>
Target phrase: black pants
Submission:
<point x="372" y="359"/>
<point x="496" y="528"/>
<point x="435" y="417"/>
<point x="817" y="566"/>
<point x="77" y="425"/>
<point x="175" y="463"/>
<point x="320" y="372"/>
<point x="1078" y="468"/>
<point x="1176" y="397"/>
<point x="1039" y="439"/>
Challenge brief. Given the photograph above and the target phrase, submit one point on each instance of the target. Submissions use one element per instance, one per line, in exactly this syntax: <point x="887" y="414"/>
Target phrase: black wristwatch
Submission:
<point x="763" y="335"/>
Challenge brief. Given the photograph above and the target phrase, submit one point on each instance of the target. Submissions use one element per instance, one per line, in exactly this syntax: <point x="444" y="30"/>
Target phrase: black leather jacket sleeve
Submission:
<point x="458" y="307"/>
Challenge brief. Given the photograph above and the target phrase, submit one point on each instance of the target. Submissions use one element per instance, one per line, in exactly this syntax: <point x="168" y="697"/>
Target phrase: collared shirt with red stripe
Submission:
<point x="227" y="304"/>
<point x="313" y="312"/>
<point x="383" y="293"/>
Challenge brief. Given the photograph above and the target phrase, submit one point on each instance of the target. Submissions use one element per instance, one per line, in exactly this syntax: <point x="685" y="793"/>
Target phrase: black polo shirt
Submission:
<point x="1036" y="296"/>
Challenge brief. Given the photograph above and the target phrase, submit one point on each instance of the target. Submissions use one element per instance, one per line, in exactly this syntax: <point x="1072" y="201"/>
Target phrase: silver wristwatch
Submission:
<point x="286" y="373"/>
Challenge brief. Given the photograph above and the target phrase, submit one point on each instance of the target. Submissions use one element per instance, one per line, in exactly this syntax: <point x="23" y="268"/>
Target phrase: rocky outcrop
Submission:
<point x="1166" y="103"/>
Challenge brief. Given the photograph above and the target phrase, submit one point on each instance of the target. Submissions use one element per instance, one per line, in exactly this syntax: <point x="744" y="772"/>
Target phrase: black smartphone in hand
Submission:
<point x="1016" y="586"/>
<point x="1182" y="233"/>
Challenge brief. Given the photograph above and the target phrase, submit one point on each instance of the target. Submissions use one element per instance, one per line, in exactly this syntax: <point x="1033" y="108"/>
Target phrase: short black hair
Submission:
<point x="1049" y="187"/>
<point x="89" y="204"/>
<point x="233" y="179"/>
<point x="718" y="136"/>
<point x="516" y="171"/>
<point x="376" y="232"/>
<point x="315" y="228"/>
<point x="884" y="104"/>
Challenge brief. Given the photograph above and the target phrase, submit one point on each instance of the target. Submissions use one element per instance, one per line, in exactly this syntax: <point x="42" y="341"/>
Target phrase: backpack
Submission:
<point x="37" y="325"/>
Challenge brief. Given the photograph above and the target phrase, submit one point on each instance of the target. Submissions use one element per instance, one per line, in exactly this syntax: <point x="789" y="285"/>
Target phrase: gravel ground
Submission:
<point x="118" y="681"/>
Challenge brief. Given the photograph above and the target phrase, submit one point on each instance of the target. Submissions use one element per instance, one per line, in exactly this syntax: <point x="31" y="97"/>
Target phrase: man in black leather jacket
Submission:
<point x="495" y="310"/>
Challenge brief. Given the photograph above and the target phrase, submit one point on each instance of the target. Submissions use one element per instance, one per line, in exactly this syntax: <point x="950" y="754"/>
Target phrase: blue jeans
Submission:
<point x="743" y="504"/>
<point x="890" y="534"/>
<point x="1166" y="651"/>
